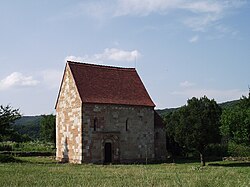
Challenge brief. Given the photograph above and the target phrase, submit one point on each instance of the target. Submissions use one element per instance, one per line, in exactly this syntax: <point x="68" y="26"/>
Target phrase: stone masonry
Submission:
<point x="130" y="130"/>
<point x="94" y="126"/>
<point x="69" y="121"/>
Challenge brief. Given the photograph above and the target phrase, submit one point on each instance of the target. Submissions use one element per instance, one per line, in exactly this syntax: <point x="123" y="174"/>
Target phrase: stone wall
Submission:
<point x="160" y="138"/>
<point x="160" y="144"/>
<point x="68" y="121"/>
<point x="129" y="129"/>
<point x="83" y="130"/>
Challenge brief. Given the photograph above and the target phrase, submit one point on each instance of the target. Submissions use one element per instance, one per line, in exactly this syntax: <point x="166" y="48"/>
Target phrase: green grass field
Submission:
<point x="34" y="171"/>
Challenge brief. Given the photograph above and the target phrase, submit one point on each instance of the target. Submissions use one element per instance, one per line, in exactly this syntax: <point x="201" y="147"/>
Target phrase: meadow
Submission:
<point x="45" y="171"/>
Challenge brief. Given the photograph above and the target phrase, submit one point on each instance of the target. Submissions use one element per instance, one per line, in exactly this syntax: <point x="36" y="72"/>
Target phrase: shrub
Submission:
<point x="33" y="146"/>
<point x="5" y="146"/>
<point x="7" y="158"/>
<point x="26" y="146"/>
<point x="216" y="150"/>
<point x="238" y="150"/>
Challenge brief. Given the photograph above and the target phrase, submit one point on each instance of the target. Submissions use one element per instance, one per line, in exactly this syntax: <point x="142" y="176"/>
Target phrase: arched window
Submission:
<point x="95" y="124"/>
<point x="127" y="124"/>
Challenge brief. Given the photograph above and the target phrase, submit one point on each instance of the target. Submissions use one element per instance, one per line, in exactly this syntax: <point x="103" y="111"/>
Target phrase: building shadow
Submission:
<point x="65" y="158"/>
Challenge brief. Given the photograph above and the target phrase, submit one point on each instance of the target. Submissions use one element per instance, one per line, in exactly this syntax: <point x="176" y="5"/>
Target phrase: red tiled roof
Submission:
<point x="109" y="85"/>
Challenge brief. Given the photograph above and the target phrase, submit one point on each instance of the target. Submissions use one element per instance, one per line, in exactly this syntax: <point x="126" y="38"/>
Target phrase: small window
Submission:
<point x="126" y="124"/>
<point x="95" y="124"/>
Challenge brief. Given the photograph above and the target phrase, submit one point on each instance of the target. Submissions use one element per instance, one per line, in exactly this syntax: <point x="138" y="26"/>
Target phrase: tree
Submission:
<point x="48" y="128"/>
<point x="236" y="122"/>
<point x="8" y="115"/>
<point x="196" y="125"/>
<point x="172" y="119"/>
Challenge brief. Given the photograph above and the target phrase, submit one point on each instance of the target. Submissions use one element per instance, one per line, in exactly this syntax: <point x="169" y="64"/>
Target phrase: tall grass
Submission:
<point x="26" y="146"/>
<point x="46" y="172"/>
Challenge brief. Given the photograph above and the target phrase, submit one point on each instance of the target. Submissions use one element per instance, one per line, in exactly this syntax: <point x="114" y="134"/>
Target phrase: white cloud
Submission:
<point x="207" y="14"/>
<point x="204" y="6"/>
<point x="144" y="8"/>
<point x="17" y="79"/>
<point x="75" y="58"/>
<point x="96" y="9"/>
<point x="198" y="14"/>
<point x="218" y="95"/>
<point x="201" y="22"/>
<point x="186" y="84"/>
<point x="194" y="39"/>
<point x="117" y="55"/>
<point x="112" y="54"/>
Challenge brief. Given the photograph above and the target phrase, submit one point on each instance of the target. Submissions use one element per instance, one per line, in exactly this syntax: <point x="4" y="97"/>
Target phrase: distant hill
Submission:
<point x="229" y="104"/>
<point x="165" y="111"/>
<point x="224" y="105"/>
<point x="29" y="125"/>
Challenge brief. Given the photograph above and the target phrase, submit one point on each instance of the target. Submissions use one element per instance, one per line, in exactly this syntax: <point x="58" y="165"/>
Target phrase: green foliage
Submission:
<point x="6" y="146"/>
<point x="237" y="150"/>
<point x="26" y="146"/>
<point x="172" y="120"/>
<point x="7" y="158"/>
<point x="236" y="122"/>
<point x="216" y="150"/>
<point x="40" y="171"/>
<point x="48" y="128"/>
<point x="29" y="126"/>
<point x="33" y="146"/>
<point x="166" y="111"/>
<point x="7" y="117"/>
<point x="195" y="125"/>
<point x="229" y="104"/>
<point x="225" y="105"/>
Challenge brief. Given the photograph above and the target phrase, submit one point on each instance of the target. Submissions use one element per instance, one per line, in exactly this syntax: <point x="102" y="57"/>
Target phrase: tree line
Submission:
<point x="11" y="132"/>
<point x="193" y="127"/>
<point x="202" y="122"/>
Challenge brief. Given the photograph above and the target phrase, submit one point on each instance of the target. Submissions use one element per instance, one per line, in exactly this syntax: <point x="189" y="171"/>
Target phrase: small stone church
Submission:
<point x="105" y="115"/>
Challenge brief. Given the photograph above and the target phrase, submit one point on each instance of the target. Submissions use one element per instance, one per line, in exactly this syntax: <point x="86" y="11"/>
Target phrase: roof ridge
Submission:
<point x="110" y="85"/>
<point x="100" y="66"/>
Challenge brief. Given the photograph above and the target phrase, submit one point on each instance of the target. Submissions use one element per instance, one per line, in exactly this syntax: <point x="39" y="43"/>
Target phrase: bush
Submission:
<point x="5" y="146"/>
<point x="27" y="153"/>
<point x="27" y="146"/>
<point x="216" y="150"/>
<point x="238" y="150"/>
<point x="33" y="146"/>
<point x="7" y="158"/>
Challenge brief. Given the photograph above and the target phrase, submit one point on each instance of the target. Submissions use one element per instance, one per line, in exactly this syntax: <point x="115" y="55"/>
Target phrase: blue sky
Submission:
<point x="180" y="48"/>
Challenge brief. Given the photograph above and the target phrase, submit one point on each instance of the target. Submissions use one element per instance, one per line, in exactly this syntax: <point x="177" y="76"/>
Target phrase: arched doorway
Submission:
<point x="110" y="148"/>
<point x="108" y="152"/>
